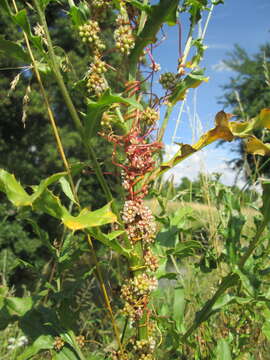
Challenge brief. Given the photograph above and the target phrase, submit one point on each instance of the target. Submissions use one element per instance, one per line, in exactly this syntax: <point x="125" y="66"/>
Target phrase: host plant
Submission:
<point x="128" y="120"/>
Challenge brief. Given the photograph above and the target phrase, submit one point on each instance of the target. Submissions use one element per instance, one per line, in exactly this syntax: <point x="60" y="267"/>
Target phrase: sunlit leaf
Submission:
<point x="18" y="306"/>
<point x="88" y="218"/>
<point x="257" y="147"/>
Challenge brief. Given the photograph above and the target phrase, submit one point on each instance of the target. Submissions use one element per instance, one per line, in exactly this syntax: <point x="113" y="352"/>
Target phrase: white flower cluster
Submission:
<point x="14" y="343"/>
<point x="140" y="224"/>
<point x="96" y="82"/>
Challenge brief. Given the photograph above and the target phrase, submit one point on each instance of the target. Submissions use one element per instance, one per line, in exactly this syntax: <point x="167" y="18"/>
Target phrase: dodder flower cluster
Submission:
<point x="123" y="36"/>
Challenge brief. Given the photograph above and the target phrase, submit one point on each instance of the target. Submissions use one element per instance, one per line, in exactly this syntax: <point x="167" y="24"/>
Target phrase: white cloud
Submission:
<point x="206" y="161"/>
<point x="218" y="46"/>
<point x="221" y="66"/>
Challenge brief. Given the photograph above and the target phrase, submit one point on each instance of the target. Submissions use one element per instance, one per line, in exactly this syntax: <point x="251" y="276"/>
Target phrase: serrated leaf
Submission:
<point x="88" y="218"/>
<point x="12" y="49"/>
<point x="95" y="109"/>
<point x="21" y="19"/>
<point x="43" y="342"/>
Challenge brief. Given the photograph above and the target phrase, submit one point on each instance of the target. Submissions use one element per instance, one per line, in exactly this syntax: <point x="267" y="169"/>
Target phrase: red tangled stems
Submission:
<point x="139" y="158"/>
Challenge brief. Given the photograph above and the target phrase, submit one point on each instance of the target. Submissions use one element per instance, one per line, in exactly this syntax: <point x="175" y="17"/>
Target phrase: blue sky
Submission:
<point x="242" y="22"/>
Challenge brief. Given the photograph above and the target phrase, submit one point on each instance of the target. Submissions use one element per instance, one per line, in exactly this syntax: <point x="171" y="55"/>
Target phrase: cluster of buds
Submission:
<point x="145" y="348"/>
<point x="123" y="36"/>
<point x="149" y="116"/>
<point x="58" y="343"/>
<point x="168" y="80"/>
<point x="100" y="3"/>
<point x="89" y="33"/>
<point x="151" y="261"/>
<point x="96" y="82"/>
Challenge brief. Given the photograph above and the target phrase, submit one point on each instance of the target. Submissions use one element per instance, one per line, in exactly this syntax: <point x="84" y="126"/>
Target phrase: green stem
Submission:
<point x="165" y="122"/>
<point x="71" y="108"/>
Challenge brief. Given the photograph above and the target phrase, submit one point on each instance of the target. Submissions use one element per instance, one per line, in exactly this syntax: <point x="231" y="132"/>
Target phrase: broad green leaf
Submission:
<point x="110" y="240"/>
<point x="65" y="354"/>
<point x="16" y="193"/>
<point x="21" y="19"/>
<point x="179" y="304"/>
<point x="12" y="49"/>
<point x="246" y="128"/>
<point x="246" y="283"/>
<point x="95" y="109"/>
<point x="223" y="350"/>
<point x="18" y="306"/>
<point x="13" y="189"/>
<point x="67" y="189"/>
<point x="43" y="342"/>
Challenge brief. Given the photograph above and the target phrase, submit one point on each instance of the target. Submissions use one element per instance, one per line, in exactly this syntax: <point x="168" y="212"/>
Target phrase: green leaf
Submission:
<point x="67" y="189"/>
<point x="18" y="306"/>
<point x="43" y="342"/>
<point x="186" y="248"/>
<point x="65" y="354"/>
<point x="223" y="350"/>
<point x="12" y="49"/>
<point x="79" y="14"/>
<point x="110" y="240"/>
<point x="179" y="304"/>
<point x="140" y="6"/>
<point x="5" y="6"/>
<point x="21" y="19"/>
<point x="192" y="80"/>
<point x="95" y="110"/>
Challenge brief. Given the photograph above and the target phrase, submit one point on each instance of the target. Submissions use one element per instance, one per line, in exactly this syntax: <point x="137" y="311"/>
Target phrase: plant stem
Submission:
<point x="71" y="108"/>
<point x="49" y="110"/>
<point x="105" y="294"/>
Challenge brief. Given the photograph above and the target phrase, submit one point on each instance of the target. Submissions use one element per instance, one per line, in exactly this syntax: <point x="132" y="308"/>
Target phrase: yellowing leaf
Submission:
<point x="257" y="147"/>
<point x="88" y="218"/>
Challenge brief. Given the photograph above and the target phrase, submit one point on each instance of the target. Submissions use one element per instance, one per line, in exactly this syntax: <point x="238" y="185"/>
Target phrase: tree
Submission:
<point x="247" y="93"/>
